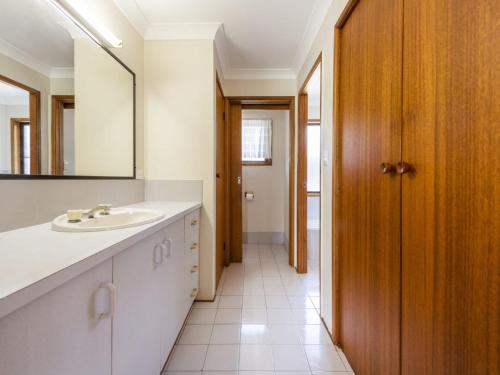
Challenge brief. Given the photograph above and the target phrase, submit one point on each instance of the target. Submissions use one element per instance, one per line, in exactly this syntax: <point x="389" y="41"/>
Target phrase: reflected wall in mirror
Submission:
<point x="66" y="103"/>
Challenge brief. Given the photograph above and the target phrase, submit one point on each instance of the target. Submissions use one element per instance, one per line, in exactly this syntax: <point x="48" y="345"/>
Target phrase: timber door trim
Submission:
<point x="302" y="193"/>
<point x="59" y="103"/>
<point x="263" y="103"/>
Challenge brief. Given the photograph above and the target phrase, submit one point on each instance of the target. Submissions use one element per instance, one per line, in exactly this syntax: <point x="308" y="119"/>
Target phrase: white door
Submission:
<point x="61" y="333"/>
<point x="136" y="333"/>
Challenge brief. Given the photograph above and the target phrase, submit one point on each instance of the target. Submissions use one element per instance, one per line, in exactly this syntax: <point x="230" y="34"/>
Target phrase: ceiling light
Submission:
<point x="76" y="11"/>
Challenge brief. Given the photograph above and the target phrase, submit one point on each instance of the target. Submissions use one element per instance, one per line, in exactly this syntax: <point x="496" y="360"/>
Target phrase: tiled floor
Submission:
<point x="264" y="321"/>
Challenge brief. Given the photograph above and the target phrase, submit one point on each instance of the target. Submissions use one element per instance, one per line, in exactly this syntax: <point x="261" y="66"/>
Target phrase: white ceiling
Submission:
<point x="12" y="95"/>
<point x="32" y="28"/>
<point x="254" y="38"/>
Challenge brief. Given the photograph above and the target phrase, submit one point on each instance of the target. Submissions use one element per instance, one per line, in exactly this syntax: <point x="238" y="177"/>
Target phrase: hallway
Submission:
<point x="265" y="319"/>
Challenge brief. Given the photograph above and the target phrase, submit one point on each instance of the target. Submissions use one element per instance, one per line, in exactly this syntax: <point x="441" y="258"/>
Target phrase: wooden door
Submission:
<point x="221" y="177"/>
<point x="451" y="202"/>
<point x="302" y="185"/>
<point x="235" y="184"/>
<point x="367" y="222"/>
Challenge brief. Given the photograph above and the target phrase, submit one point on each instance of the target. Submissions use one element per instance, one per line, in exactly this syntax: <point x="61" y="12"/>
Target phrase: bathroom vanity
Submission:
<point x="97" y="303"/>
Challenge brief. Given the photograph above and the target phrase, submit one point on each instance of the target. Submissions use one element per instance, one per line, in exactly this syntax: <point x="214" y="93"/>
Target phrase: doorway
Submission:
<point x="309" y="173"/>
<point x="62" y="135"/>
<point x="235" y="109"/>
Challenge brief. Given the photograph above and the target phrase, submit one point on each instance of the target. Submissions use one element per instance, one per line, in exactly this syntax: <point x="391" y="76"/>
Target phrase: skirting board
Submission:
<point x="276" y="238"/>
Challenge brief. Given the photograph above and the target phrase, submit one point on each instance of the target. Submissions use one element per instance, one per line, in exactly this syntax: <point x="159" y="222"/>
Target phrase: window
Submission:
<point x="257" y="140"/>
<point x="313" y="158"/>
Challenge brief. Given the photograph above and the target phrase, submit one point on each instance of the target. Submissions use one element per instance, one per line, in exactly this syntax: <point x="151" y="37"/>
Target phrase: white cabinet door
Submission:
<point x="60" y="333"/>
<point x="173" y="289"/>
<point x="136" y="323"/>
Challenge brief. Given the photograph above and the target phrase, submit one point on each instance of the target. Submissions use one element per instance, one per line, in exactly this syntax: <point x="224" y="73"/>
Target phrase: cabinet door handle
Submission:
<point x="194" y="292"/>
<point x="194" y="269"/>
<point x="168" y="249"/>
<point x="194" y="246"/>
<point x="194" y="222"/>
<point x="112" y="296"/>
<point x="158" y="252"/>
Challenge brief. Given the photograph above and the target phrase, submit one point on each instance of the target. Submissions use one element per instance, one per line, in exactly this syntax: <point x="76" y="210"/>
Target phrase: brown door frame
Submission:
<point x="234" y="106"/>
<point x="221" y="209"/>
<point x="34" y="120"/>
<point x="302" y="193"/>
<point x="15" y="143"/>
<point x="58" y="104"/>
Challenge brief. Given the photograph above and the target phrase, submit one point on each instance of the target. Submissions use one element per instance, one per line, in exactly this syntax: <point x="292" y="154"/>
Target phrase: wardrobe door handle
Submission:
<point x="387" y="168"/>
<point x="405" y="167"/>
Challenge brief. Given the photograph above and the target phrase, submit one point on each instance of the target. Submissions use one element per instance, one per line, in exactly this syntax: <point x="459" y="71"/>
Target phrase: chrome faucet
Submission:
<point x="101" y="208"/>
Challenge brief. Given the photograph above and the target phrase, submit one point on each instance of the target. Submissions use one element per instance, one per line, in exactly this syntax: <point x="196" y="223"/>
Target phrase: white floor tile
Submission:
<point x="314" y="334"/>
<point x="274" y="290"/>
<point x="290" y="358"/>
<point x="280" y="316"/>
<point x="254" y="302"/>
<point x="222" y="358"/>
<point x="306" y="316"/>
<point x="277" y="302"/>
<point x="255" y="334"/>
<point x="196" y="334"/>
<point x="225" y="334"/>
<point x="230" y="302"/>
<point x="254" y="316"/>
<point x="231" y="290"/>
<point x="187" y="358"/>
<point x="284" y="335"/>
<point x="256" y="357"/>
<point x="300" y="302"/>
<point x="324" y="358"/>
<point x="201" y="316"/>
<point x="228" y="316"/>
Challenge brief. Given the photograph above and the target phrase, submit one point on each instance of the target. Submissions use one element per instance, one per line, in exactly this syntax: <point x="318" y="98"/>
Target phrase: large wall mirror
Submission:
<point x="66" y="103"/>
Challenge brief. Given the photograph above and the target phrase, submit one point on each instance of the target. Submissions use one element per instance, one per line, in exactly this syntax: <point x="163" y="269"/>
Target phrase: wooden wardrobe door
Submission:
<point x="368" y="220"/>
<point x="451" y="203"/>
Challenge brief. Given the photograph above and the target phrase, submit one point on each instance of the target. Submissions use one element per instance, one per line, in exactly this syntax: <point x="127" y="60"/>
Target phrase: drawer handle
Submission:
<point x="112" y="294"/>
<point x="194" y="222"/>
<point x="194" y="269"/>
<point x="194" y="246"/>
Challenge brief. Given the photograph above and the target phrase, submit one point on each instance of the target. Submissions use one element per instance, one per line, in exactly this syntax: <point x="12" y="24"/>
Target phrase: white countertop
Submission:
<point x="35" y="260"/>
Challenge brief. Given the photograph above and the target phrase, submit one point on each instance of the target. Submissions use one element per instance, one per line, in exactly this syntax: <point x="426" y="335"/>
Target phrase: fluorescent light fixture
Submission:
<point x="75" y="10"/>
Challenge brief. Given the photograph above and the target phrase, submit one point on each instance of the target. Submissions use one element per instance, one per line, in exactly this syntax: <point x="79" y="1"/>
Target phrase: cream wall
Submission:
<point x="323" y="43"/>
<point x="264" y="217"/>
<point x="180" y="129"/>
<point x="132" y="54"/>
<point x="104" y="140"/>
<point x="259" y="87"/>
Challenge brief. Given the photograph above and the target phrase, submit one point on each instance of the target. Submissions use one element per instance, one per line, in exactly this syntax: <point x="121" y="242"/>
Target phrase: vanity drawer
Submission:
<point x="192" y="227"/>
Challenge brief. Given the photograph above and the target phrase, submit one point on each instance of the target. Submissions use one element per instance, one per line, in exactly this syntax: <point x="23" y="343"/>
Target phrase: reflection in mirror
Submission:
<point x="66" y="104"/>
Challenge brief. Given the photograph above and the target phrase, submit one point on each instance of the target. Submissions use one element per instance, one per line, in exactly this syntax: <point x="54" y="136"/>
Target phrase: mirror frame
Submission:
<point x="77" y="177"/>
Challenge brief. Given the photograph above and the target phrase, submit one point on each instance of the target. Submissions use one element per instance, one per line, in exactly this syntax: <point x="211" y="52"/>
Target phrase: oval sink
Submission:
<point x="118" y="218"/>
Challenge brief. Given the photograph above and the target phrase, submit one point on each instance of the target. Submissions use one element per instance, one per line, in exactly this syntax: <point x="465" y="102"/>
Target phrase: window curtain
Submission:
<point x="257" y="139"/>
